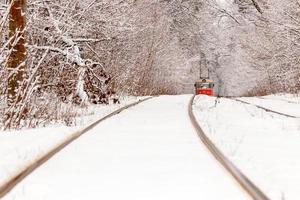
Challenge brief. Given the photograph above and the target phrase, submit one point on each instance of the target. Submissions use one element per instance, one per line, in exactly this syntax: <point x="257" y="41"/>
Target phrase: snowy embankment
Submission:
<point x="264" y="145"/>
<point x="20" y="148"/>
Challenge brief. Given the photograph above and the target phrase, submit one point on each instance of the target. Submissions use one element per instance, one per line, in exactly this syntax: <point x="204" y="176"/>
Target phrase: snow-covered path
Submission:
<point x="148" y="152"/>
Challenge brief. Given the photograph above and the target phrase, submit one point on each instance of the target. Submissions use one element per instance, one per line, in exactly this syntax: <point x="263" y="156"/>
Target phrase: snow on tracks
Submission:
<point x="244" y="181"/>
<point x="264" y="108"/>
<point x="150" y="152"/>
<point x="263" y="145"/>
<point x="8" y="184"/>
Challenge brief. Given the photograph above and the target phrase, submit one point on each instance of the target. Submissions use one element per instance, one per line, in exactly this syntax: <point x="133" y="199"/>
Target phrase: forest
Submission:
<point x="59" y="54"/>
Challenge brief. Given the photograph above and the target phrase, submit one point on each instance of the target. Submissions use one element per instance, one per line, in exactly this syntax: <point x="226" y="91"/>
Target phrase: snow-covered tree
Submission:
<point x="81" y="52"/>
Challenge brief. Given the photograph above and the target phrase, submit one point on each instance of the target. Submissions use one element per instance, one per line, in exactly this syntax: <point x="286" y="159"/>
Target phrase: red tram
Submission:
<point x="204" y="86"/>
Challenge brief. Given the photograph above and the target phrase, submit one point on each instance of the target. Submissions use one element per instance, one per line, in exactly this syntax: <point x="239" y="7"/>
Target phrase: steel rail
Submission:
<point x="241" y="179"/>
<point x="265" y="109"/>
<point x="284" y="100"/>
<point x="27" y="170"/>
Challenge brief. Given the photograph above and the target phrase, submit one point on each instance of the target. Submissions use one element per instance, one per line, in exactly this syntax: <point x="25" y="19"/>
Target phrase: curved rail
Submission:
<point x="27" y="170"/>
<point x="243" y="181"/>
<point x="265" y="109"/>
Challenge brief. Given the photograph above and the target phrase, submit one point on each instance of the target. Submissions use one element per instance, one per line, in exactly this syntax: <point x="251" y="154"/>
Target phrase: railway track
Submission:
<point x="241" y="179"/>
<point x="284" y="100"/>
<point x="265" y="109"/>
<point x="27" y="170"/>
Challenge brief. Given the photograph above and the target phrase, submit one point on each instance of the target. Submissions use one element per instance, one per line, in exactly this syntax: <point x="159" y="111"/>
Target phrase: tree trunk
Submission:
<point x="17" y="58"/>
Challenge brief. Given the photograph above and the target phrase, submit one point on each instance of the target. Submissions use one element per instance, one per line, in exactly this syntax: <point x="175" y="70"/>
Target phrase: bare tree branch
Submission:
<point x="257" y="6"/>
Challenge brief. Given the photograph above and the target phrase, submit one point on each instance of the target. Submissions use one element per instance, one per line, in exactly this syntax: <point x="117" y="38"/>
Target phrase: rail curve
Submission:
<point x="242" y="180"/>
<point x="27" y="170"/>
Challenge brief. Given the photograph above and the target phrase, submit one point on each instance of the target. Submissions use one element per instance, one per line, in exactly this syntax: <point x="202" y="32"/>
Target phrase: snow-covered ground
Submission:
<point x="150" y="152"/>
<point x="290" y="98"/>
<point x="20" y="148"/>
<point x="287" y="104"/>
<point x="263" y="145"/>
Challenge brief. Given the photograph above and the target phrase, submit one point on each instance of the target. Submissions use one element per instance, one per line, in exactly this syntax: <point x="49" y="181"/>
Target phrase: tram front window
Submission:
<point x="205" y="85"/>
